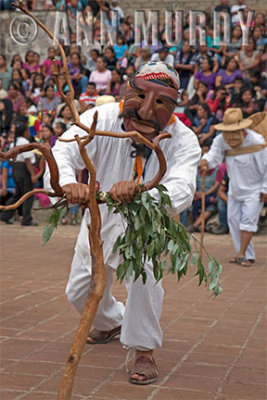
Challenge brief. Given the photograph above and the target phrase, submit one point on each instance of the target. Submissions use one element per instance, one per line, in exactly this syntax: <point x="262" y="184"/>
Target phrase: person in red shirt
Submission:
<point x="88" y="98"/>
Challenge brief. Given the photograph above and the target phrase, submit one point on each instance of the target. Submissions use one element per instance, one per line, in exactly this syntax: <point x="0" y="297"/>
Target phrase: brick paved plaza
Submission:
<point x="213" y="349"/>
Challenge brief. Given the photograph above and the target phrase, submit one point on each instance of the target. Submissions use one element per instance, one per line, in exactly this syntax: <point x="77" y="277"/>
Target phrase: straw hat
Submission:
<point x="104" y="99"/>
<point x="259" y="123"/>
<point x="233" y="120"/>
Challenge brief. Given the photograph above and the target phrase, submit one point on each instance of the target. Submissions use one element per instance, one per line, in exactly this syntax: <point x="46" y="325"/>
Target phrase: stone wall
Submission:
<point x="130" y="6"/>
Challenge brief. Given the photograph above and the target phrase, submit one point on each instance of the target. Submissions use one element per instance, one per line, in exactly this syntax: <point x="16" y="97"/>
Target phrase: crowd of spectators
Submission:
<point x="212" y="78"/>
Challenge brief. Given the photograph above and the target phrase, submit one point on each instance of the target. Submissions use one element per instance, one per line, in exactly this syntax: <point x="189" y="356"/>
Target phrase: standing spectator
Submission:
<point x="5" y="72"/>
<point x="23" y="171"/>
<point x="184" y="63"/>
<point x="30" y="63"/>
<point x="15" y="96"/>
<point x="223" y="7"/>
<point x="115" y="7"/>
<point x="227" y="76"/>
<point x="101" y="76"/>
<point x="48" y="62"/>
<point x="126" y="32"/>
<point x="234" y="11"/>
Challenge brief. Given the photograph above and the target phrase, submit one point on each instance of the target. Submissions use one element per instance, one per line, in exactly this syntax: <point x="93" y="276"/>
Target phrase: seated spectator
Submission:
<point x="227" y="76"/>
<point x="59" y="129"/>
<point x="205" y="74"/>
<point x="232" y="48"/>
<point x="15" y="96"/>
<point x="64" y="116"/>
<point x="144" y="57"/>
<point x="91" y="62"/>
<point x="121" y="50"/>
<point x="111" y="58"/>
<point x="246" y="102"/>
<point x="88" y="98"/>
<point x="101" y="76"/>
<point x="259" y="20"/>
<point x="49" y="101"/>
<point x="37" y="89"/>
<point x="48" y="62"/>
<point x="260" y="40"/>
<point x="5" y="72"/>
<point x="3" y="92"/>
<point x="77" y="74"/>
<point x="236" y="89"/>
<point x="249" y="58"/>
<point x="203" y="54"/>
<point x="163" y="55"/>
<point x="17" y="65"/>
<point x="203" y="125"/>
<point x="218" y="101"/>
<point x="30" y="63"/>
<point x="184" y="63"/>
<point x="127" y="32"/>
<point x="198" y="98"/>
<point x="17" y="77"/>
<point x="7" y="193"/>
<point x="6" y="112"/>
<point x="62" y="84"/>
<point x="115" y="84"/>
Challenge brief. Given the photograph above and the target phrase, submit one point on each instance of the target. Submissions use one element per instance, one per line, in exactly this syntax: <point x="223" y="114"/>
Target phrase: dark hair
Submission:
<point x="14" y="85"/>
<point x="76" y="54"/>
<point x="103" y="59"/>
<point x="34" y="79"/>
<point x="50" y="128"/>
<point x="239" y="78"/>
<point x="206" y="108"/>
<point x="210" y="62"/>
<point x="96" y="51"/>
<point x="21" y="123"/>
<point x="13" y="59"/>
<point x="62" y="109"/>
<point x="3" y="56"/>
<point x="62" y="125"/>
<point x="228" y="60"/>
<point x="204" y="83"/>
<point x="92" y="84"/>
<point x="27" y="54"/>
<point x="47" y="87"/>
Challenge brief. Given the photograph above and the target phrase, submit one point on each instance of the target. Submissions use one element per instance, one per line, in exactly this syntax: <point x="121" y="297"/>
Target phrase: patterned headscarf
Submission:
<point x="159" y="72"/>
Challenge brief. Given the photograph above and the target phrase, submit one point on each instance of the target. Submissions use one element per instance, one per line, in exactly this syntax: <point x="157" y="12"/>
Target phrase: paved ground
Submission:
<point x="213" y="349"/>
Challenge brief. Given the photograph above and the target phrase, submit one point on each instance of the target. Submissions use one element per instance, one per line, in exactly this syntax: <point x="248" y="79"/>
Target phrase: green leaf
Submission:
<point x="194" y="259"/>
<point x="47" y="233"/>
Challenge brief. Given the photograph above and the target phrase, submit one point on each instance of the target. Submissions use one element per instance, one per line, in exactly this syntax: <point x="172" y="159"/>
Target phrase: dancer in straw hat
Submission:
<point x="246" y="157"/>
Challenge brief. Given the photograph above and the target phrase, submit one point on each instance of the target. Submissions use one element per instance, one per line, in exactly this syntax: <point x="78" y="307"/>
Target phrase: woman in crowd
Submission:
<point x="203" y="125"/>
<point x="227" y="76"/>
<point x="15" y="96"/>
<point x="37" y="89"/>
<point x="110" y="57"/>
<point x="101" y="76"/>
<point x="49" y="101"/>
<point x="77" y="73"/>
<point x="205" y="74"/>
<point x="64" y="116"/>
<point x="235" y="45"/>
<point x="30" y="63"/>
<point x="184" y="63"/>
<point x="115" y="83"/>
<point x="249" y="58"/>
<point x="246" y="102"/>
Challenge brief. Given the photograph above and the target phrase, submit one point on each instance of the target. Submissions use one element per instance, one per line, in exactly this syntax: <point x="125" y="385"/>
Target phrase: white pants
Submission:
<point x="139" y="318"/>
<point x="243" y="216"/>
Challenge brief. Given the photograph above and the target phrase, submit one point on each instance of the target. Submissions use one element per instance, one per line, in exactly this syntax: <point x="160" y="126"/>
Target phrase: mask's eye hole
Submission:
<point x="142" y="96"/>
<point x="159" y="101"/>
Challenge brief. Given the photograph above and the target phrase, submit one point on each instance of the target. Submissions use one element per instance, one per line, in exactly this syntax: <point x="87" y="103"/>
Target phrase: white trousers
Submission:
<point x="139" y="318"/>
<point x="243" y="216"/>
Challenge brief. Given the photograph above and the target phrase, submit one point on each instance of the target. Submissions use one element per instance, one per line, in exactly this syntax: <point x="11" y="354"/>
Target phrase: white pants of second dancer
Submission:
<point x="243" y="216"/>
<point x="139" y="318"/>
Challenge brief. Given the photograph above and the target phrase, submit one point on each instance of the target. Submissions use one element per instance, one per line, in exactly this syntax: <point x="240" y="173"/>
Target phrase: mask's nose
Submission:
<point x="146" y="110"/>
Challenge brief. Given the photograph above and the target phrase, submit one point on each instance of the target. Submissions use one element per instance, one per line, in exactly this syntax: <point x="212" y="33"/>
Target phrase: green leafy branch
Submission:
<point x="151" y="234"/>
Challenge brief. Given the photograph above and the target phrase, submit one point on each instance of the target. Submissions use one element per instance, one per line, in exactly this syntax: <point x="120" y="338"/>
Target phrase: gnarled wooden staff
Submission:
<point x="98" y="280"/>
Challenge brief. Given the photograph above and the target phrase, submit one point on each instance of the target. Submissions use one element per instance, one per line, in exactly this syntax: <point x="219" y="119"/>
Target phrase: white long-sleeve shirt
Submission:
<point x="247" y="172"/>
<point x="113" y="163"/>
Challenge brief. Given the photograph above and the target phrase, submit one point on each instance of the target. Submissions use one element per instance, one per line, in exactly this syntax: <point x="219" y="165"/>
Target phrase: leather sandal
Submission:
<point x="144" y="366"/>
<point x="103" y="337"/>
<point x="234" y="260"/>
<point x="243" y="262"/>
